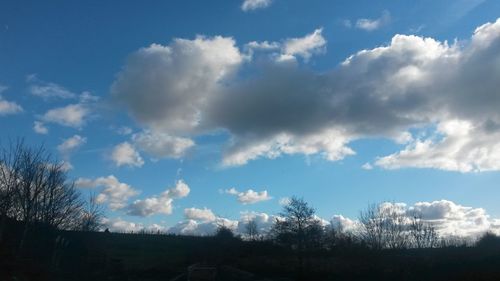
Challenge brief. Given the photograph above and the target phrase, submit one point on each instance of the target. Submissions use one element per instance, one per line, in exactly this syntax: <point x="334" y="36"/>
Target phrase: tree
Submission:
<point x="59" y="203"/>
<point x="422" y="234"/>
<point x="372" y="227"/>
<point x="92" y="215"/>
<point x="297" y="228"/>
<point x="35" y="189"/>
<point x="251" y="229"/>
<point x="9" y="171"/>
<point x="384" y="226"/>
<point x="224" y="233"/>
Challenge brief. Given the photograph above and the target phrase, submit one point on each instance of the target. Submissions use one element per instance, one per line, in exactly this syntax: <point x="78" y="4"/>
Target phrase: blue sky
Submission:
<point x="259" y="97"/>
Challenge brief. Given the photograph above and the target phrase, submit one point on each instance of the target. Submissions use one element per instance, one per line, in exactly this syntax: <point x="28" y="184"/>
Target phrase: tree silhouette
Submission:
<point x="297" y="228"/>
<point x="251" y="229"/>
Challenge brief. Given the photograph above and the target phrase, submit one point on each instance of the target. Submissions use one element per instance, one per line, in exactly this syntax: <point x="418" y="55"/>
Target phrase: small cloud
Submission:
<point x="159" y="204"/>
<point x="264" y="45"/>
<point x="250" y="196"/>
<point x="114" y="193"/>
<point x="346" y="23"/>
<point x="70" y="144"/>
<point x="87" y="97"/>
<point x="250" y="5"/>
<point x="47" y="90"/>
<point x="367" y="166"/>
<point x="72" y="115"/>
<point x="124" y="154"/>
<point x="124" y="130"/>
<point x="374" y="24"/>
<point x="199" y="214"/>
<point x="284" y="201"/>
<point x="67" y="147"/>
<point x="8" y="107"/>
<point x="416" y="29"/>
<point x="161" y="145"/>
<point x="40" y="128"/>
<point x="313" y="43"/>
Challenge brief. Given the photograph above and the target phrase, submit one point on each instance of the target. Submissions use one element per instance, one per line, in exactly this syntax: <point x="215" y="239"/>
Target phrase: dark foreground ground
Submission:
<point x="62" y="255"/>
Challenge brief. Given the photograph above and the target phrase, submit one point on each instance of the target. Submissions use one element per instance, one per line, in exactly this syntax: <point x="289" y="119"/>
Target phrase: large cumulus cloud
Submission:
<point x="276" y="107"/>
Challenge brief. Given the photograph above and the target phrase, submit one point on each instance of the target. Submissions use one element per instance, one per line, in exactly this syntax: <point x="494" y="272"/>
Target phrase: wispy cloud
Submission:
<point x="250" y="5"/>
<point x="374" y="24"/>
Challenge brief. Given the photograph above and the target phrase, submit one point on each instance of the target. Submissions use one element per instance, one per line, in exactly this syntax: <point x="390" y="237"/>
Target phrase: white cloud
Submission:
<point x="67" y="147"/>
<point x="284" y="201"/>
<point x="313" y="43"/>
<point x="124" y="154"/>
<point x="264" y="45"/>
<point x="330" y="143"/>
<point x="124" y="130"/>
<point x="166" y="87"/>
<point x="40" y="128"/>
<point x="249" y="196"/>
<point x="452" y="219"/>
<point x="203" y="228"/>
<point x="8" y="107"/>
<point x="120" y="225"/>
<point x="250" y="5"/>
<point x="199" y="214"/>
<point x="160" y="204"/>
<point x="70" y="144"/>
<point x="462" y="147"/>
<point x="72" y="115"/>
<point x="48" y="90"/>
<point x="115" y="193"/>
<point x="160" y="145"/>
<point x="264" y="221"/>
<point x="367" y="166"/>
<point x="87" y="97"/>
<point x="373" y="24"/>
<point x="343" y="224"/>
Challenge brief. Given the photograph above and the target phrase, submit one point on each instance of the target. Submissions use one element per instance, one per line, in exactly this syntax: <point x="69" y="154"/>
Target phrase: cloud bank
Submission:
<point x="413" y="84"/>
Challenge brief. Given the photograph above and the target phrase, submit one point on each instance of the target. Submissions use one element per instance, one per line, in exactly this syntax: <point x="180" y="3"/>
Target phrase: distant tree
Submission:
<point x="489" y="242"/>
<point x="224" y="232"/>
<point x="384" y="226"/>
<point x="335" y="235"/>
<point x="422" y="234"/>
<point x="251" y="229"/>
<point x="297" y="228"/>
<point x="92" y="214"/>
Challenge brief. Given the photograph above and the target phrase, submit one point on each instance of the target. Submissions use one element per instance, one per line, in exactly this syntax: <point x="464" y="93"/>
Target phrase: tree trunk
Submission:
<point x="2" y="226"/>
<point x="23" y="238"/>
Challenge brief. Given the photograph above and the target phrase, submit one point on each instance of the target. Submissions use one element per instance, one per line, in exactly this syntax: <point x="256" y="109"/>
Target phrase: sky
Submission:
<point x="184" y="115"/>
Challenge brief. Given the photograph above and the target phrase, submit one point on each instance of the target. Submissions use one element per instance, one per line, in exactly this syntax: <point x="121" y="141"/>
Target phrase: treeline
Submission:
<point x="379" y="226"/>
<point x="35" y="190"/>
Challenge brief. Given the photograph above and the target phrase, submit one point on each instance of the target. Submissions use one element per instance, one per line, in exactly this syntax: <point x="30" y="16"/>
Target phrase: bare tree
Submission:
<point x="9" y="170"/>
<point x="422" y="234"/>
<point x="92" y="215"/>
<point x="384" y="226"/>
<point x="59" y="203"/>
<point x="251" y="229"/>
<point x="297" y="228"/>
<point x="34" y="189"/>
<point x="372" y="227"/>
